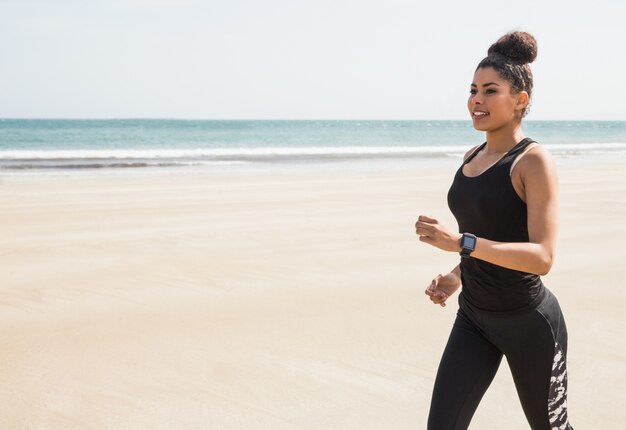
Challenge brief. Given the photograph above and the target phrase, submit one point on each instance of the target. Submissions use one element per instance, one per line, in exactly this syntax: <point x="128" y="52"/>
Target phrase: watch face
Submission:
<point x="469" y="242"/>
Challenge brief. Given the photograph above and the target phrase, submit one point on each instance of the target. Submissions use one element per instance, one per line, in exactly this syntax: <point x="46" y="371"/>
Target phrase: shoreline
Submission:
<point x="449" y="163"/>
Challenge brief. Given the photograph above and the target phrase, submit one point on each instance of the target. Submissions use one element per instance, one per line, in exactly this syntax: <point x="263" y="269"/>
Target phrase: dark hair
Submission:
<point x="511" y="56"/>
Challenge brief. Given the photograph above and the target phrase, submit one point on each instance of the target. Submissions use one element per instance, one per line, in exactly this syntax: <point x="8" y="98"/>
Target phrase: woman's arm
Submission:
<point x="540" y="189"/>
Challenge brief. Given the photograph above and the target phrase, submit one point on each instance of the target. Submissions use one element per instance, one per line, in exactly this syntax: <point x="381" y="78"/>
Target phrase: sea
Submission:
<point x="39" y="145"/>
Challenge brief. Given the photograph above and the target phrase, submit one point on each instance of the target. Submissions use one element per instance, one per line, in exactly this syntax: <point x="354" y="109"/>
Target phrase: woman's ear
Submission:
<point x="522" y="100"/>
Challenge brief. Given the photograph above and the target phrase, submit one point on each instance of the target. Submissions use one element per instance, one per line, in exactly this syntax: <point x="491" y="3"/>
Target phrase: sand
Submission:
<point x="271" y="300"/>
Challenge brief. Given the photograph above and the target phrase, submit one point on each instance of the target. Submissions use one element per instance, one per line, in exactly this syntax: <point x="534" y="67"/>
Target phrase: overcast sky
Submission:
<point x="290" y="59"/>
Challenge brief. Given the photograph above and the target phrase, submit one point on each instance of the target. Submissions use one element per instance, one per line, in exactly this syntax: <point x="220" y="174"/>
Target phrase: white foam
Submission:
<point x="220" y="152"/>
<point x="162" y="156"/>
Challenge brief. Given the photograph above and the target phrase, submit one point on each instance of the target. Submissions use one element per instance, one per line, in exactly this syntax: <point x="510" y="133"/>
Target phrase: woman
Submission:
<point x="504" y="197"/>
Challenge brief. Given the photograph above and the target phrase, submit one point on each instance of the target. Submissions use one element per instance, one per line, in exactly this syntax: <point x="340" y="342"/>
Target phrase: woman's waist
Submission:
<point x="502" y="299"/>
<point x="483" y="272"/>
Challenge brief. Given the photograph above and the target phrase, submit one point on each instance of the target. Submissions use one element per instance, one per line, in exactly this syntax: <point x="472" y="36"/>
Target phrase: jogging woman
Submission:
<point x="505" y="200"/>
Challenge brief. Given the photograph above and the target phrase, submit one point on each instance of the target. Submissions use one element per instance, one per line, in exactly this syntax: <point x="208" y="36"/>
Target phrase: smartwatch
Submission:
<point x="468" y="244"/>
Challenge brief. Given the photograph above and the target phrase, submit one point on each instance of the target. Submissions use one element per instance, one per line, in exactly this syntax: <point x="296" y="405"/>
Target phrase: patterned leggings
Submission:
<point x="534" y="342"/>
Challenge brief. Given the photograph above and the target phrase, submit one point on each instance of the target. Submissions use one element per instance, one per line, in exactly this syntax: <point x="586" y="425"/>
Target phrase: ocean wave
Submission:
<point x="107" y="158"/>
<point x="587" y="148"/>
<point x="223" y="152"/>
<point x="135" y="158"/>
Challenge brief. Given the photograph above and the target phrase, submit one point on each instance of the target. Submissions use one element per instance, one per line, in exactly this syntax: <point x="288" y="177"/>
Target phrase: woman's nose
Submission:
<point x="476" y="99"/>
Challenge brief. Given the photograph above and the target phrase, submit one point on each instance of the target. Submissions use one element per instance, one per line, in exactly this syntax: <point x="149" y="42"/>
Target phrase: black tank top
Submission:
<point x="488" y="206"/>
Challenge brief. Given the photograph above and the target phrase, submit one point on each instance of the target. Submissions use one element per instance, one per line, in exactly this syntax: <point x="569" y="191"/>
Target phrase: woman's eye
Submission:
<point x="472" y="91"/>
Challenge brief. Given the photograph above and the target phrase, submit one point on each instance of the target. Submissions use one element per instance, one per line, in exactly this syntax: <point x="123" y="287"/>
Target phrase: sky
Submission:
<point x="291" y="59"/>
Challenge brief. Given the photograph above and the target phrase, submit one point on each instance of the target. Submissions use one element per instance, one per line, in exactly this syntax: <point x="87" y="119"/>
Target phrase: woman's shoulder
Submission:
<point x="536" y="153"/>
<point x="471" y="151"/>
<point x="535" y="157"/>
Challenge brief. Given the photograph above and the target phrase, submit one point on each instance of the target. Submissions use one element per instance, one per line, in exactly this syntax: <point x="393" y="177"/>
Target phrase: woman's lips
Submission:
<point x="479" y="115"/>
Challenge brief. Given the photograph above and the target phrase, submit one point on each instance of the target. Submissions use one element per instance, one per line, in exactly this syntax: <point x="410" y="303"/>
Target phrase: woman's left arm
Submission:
<point x="540" y="184"/>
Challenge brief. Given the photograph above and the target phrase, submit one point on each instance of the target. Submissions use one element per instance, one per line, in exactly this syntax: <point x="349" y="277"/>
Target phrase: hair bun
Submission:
<point x="518" y="46"/>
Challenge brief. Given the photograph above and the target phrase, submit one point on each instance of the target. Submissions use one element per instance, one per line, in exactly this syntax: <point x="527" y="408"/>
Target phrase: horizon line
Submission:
<point x="276" y="119"/>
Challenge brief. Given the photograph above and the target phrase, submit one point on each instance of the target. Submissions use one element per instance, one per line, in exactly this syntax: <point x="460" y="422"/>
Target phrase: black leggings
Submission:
<point x="534" y="341"/>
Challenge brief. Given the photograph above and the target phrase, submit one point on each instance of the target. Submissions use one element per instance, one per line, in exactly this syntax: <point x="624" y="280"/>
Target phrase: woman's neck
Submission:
<point x="503" y="139"/>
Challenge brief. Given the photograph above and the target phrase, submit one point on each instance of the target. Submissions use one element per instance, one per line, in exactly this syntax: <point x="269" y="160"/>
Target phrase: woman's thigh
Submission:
<point x="467" y="368"/>
<point x="535" y="346"/>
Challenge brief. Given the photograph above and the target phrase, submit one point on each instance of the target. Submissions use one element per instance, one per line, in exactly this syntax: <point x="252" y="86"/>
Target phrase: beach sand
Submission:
<point x="284" y="300"/>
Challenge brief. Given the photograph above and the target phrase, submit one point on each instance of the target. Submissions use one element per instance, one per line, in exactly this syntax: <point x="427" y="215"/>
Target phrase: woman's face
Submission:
<point x="491" y="103"/>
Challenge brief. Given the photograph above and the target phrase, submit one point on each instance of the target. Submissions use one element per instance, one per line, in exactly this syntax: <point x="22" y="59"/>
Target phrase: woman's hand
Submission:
<point x="443" y="287"/>
<point x="430" y="231"/>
